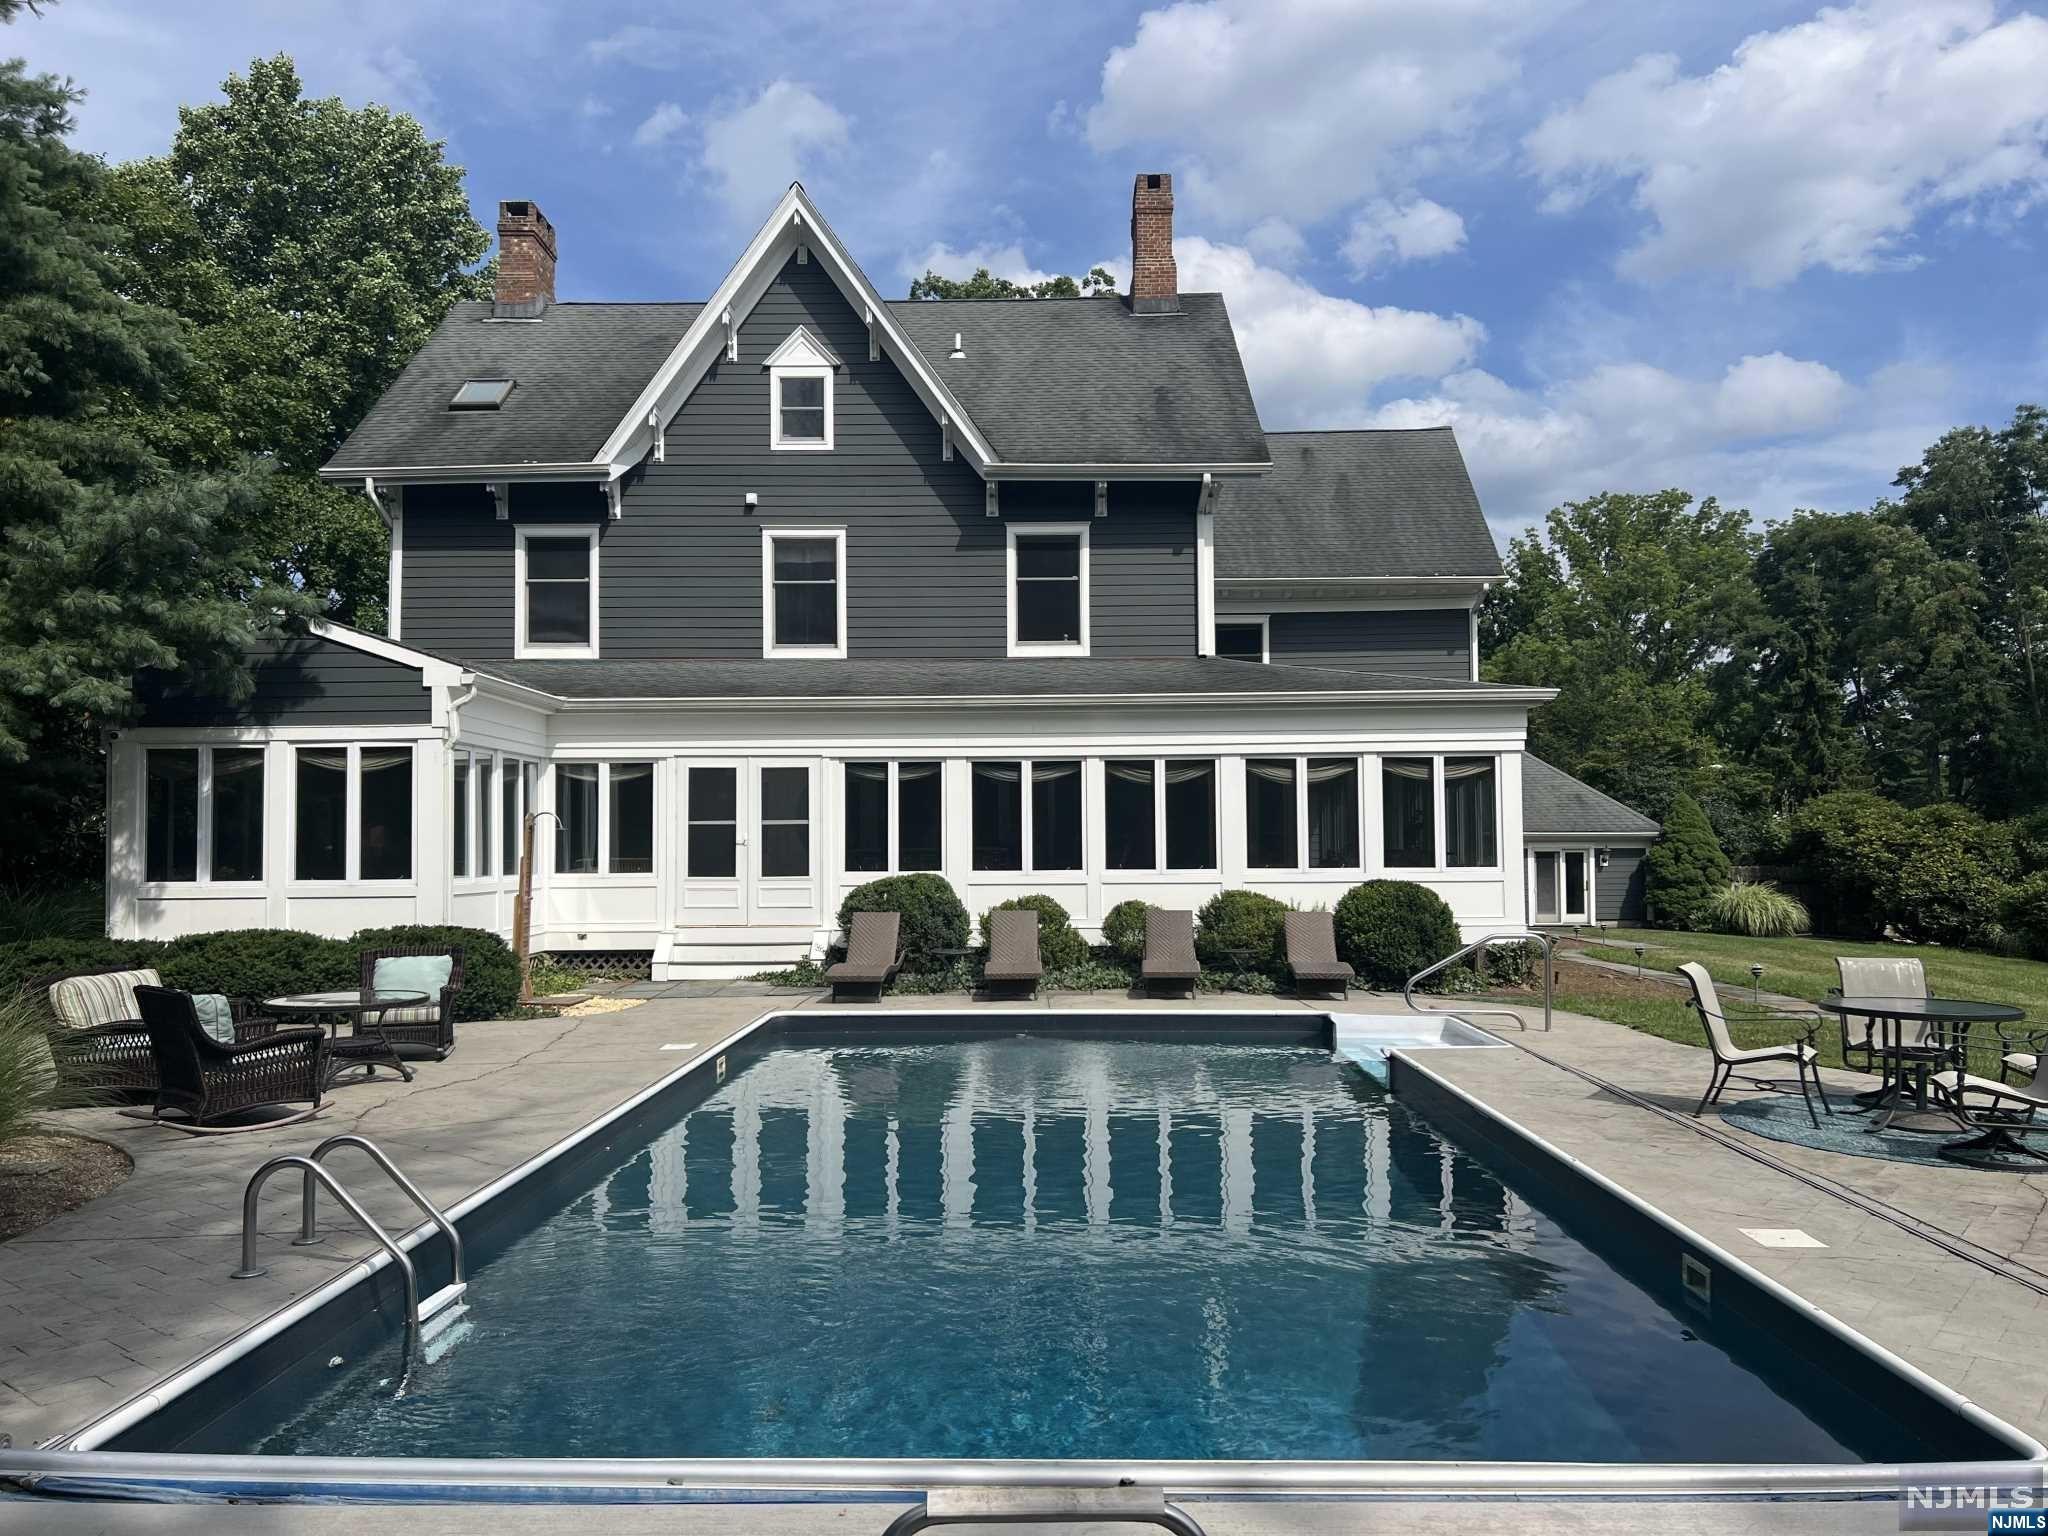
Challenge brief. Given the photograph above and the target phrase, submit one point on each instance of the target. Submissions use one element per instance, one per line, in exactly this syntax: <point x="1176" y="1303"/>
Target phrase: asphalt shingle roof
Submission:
<point x="1554" y="804"/>
<point x="1002" y="678"/>
<point x="1369" y="503"/>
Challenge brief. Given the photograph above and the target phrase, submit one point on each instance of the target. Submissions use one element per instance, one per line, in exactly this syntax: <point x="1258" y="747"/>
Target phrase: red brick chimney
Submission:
<point x="526" y="260"/>
<point x="1155" y="285"/>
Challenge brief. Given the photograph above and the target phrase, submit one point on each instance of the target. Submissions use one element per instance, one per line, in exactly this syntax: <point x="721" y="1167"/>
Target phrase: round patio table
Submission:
<point x="1949" y="1020"/>
<point x="367" y="1047"/>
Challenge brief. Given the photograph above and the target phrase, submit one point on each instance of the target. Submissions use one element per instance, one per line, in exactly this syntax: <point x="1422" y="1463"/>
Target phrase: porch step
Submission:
<point x="726" y="954"/>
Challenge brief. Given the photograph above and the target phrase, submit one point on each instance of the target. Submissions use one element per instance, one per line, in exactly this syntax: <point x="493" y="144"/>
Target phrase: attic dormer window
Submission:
<point x="800" y="375"/>
<point x="481" y="395"/>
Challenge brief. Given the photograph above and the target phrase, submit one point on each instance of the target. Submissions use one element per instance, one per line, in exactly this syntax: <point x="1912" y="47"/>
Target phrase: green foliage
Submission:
<point x="1098" y="284"/>
<point x="257" y="963"/>
<point x="68" y="910"/>
<point x="1123" y="930"/>
<point x="1950" y="879"/>
<point x="1058" y="945"/>
<point x="551" y="978"/>
<point x="30" y="960"/>
<point x="2024" y="913"/>
<point x="490" y="971"/>
<point x="1242" y="920"/>
<point x="40" y="1072"/>
<point x="1685" y="868"/>
<point x="1390" y="929"/>
<point x="1513" y="965"/>
<point x="1849" y="842"/>
<point x="2030" y="843"/>
<point x="1757" y="908"/>
<point x="933" y="917"/>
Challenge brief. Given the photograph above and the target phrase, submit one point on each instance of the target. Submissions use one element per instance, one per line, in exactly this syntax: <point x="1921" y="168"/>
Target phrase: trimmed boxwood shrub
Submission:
<point x="1685" y="869"/>
<point x="933" y="917"/>
<point x="258" y="963"/>
<point x="1059" y="947"/>
<point x="490" y="971"/>
<point x="1242" y="920"/>
<point x="1123" y="930"/>
<point x="1390" y="929"/>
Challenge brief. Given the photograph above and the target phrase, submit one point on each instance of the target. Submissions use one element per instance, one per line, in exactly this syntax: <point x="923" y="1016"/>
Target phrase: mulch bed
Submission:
<point x="46" y="1173"/>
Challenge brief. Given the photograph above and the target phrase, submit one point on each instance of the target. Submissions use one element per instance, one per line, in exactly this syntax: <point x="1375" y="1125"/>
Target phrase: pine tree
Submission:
<point x="1686" y="867"/>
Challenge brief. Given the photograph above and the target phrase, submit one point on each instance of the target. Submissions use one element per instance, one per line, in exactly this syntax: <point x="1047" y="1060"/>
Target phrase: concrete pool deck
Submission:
<point x="107" y="1300"/>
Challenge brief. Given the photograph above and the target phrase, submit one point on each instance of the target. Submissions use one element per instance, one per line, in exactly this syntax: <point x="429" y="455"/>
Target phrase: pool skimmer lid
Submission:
<point x="1781" y="1237"/>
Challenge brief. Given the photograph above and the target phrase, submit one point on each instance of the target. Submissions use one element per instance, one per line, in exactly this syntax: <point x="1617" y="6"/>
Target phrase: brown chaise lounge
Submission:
<point x="1312" y="954"/>
<point x="1170" y="951"/>
<point x="872" y="957"/>
<point x="1013" y="958"/>
<point x="204" y="1081"/>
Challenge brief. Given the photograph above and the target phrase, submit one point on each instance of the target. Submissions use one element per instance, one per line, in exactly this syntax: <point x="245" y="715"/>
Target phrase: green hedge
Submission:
<point x="258" y="963"/>
<point x="933" y="917"/>
<point x="2025" y="914"/>
<point x="1244" y="920"/>
<point x="1390" y="929"/>
<point x="1059" y="947"/>
<point x="1123" y="930"/>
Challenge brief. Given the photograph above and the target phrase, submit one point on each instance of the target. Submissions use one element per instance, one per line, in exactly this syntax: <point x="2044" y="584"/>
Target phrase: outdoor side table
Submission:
<point x="367" y="1048"/>
<point x="1240" y="965"/>
<point x="1950" y="1019"/>
<point x="952" y="952"/>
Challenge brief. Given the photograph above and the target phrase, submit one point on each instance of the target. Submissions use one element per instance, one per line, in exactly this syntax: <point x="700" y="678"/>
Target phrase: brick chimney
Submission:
<point x="526" y="261"/>
<point x="1155" y="285"/>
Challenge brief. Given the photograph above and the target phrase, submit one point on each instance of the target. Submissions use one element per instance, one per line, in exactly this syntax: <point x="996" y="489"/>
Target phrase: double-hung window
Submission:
<point x="1301" y="812"/>
<point x="202" y="814"/>
<point x="352" y="813"/>
<point x="604" y="818"/>
<point x="555" y="597"/>
<point x="803" y="592"/>
<point x="1159" y="806"/>
<point x="893" y="821"/>
<point x="1035" y="831"/>
<point x="800" y="374"/>
<point x="1048" y="577"/>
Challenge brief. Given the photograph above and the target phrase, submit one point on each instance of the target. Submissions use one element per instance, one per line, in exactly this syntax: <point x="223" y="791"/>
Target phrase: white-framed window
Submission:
<point x="604" y="818"/>
<point x="803" y="592"/>
<point x="1303" y="813"/>
<point x="474" y="846"/>
<point x="800" y="387"/>
<point x="554" y="591"/>
<point x="895" y="817"/>
<point x="202" y="815"/>
<point x="1240" y="637"/>
<point x="1440" y="812"/>
<point x="1027" y="815"/>
<point x="1048" y="588"/>
<point x="1159" y="813"/>
<point x="352" y="813"/>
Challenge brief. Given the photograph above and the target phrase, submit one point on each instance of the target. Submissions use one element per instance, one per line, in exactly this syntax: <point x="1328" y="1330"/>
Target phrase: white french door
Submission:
<point x="714" y="884"/>
<point x="1561" y="888"/>
<point x="751" y="855"/>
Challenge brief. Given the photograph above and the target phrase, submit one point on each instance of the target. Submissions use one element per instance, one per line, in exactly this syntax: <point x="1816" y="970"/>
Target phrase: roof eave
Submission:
<point x="1193" y="470"/>
<point x="635" y="702"/>
<point x="432" y="474"/>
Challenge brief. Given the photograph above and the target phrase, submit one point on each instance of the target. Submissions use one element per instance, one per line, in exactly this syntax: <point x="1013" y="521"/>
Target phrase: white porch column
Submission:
<point x="124" y="870"/>
<point x="433" y="796"/>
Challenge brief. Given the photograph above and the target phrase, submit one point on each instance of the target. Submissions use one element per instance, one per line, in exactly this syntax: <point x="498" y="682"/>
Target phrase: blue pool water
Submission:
<point x="1032" y="1247"/>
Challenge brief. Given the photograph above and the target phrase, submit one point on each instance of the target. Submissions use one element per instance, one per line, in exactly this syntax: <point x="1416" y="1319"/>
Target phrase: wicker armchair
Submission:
<point x="115" y="1056"/>
<point x="429" y="1028"/>
<point x="203" y="1081"/>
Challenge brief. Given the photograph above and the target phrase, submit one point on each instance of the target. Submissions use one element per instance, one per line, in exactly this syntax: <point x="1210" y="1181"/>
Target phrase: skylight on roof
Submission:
<point x="481" y="395"/>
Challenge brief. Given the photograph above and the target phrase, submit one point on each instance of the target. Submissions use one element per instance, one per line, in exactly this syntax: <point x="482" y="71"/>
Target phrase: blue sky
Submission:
<point x="1763" y="252"/>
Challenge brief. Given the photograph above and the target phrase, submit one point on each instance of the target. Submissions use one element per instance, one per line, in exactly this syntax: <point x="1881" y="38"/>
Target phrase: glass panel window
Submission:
<point x="1190" y="815"/>
<point x="1055" y="815"/>
<point x="1241" y="642"/>
<point x="713" y="836"/>
<point x="631" y="845"/>
<point x="805" y="577"/>
<point x="1333" y="813"/>
<point x="1408" y="812"/>
<point x="171" y="814"/>
<point x="1049" y="593"/>
<point x="385" y="851"/>
<point x="508" y="816"/>
<point x="1269" y="813"/>
<point x="321" y="814"/>
<point x="576" y="818"/>
<point x="919" y="838"/>
<point x="557" y="590"/>
<point x="1574" y="882"/>
<point x="785" y="823"/>
<point x="998" y="815"/>
<point x="867" y="817"/>
<point x="459" y="855"/>
<point x="1469" y="814"/>
<point x="802" y="404"/>
<point x="486" y="771"/>
<point x="237" y="851"/>
<point x="1130" y="840"/>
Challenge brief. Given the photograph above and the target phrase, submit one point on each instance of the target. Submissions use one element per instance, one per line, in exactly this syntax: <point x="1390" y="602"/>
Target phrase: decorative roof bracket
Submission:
<point x="1102" y="498"/>
<point x="501" y="497"/>
<point x="732" y="338"/>
<point x="990" y="505"/>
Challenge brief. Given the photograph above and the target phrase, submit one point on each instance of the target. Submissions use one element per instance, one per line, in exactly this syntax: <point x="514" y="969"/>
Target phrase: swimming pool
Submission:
<point x="1186" y="1241"/>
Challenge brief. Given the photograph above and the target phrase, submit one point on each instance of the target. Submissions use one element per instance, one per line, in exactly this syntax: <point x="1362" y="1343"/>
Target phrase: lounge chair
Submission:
<point x="204" y="1081"/>
<point x="1169" y="951"/>
<point x="426" y="1029"/>
<point x="106" y="1039"/>
<point x="1312" y="954"/>
<point x="1728" y="1061"/>
<point x="872" y="957"/>
<point x="1862" y="1039"/>
<point x="1013" y="958"/>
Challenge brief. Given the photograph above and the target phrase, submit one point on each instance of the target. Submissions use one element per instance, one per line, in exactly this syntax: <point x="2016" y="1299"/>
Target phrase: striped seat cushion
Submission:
<point x="426" y="1013"/>
<point x="86" y="1002"/>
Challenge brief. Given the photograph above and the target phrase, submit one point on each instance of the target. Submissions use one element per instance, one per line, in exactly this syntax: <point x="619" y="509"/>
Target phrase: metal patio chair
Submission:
<point x="1730" y="1061"/>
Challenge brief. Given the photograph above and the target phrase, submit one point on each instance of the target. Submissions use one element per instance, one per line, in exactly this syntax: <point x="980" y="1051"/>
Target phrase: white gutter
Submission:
<point x="1503" y="695"/>
<point x="1189" y="471"/>
<point x="429" y="474"/>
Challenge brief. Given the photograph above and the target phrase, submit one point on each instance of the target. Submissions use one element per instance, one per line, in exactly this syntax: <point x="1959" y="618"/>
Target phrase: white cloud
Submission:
<point x="755" y="151"/>
<point x="1386" y="233"/>
<point x="1276" y="241"/>
<point x="1001" y="260"/>
<point x="1820" y="145"/>
<point x="591" y="108"/>
<point x="1775" y="394"/>
<point x="660" y="125"/>
<point x="648" y="47"/>
<point x="1299" y="108"/>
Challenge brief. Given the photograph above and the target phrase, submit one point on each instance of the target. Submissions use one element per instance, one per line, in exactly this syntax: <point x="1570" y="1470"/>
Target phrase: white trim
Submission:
<point x="1238" y="699"/>
<point x="800" y="349"/>
<point x="1205" y="568"/>
<point x="203" y="881"/>
<point x="1265" y="623"/>
<point x="394" y="580"/>
<point x="1192" y="470"/>
<point x="1441" y="867"/>
<point x="1011" y="533"/>
<point x="1365" y="764"/>
<point x="434" y="474"/>
<point x="1475" y="636"/>
<point x="570" y="879"/>
<point x="770" y="647"/>
<point x="352" y="880"/>
<point x="776" y="441"/>
<point x="435" y="669"/>
<point x="1211" y="870"/>
<point x="521" y="532"/>
<point x="1026" y="818"/>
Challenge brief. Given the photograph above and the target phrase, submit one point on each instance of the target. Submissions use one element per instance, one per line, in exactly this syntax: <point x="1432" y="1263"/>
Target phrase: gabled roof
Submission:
<point x="1395" y="503"/>
<point x="1554" y="804"/>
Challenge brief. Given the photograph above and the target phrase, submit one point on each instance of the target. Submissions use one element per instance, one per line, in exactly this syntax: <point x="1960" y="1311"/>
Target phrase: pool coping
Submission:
<point x="72" y="1463"/>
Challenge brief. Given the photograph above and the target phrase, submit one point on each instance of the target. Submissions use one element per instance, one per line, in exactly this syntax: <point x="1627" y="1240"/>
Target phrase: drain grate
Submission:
<point x="1781" y="1237"/>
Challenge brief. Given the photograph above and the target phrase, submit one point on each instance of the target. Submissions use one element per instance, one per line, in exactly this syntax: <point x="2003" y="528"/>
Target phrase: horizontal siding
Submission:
<point x="301" y="682"/>
<point x="1415" y="642"/>
<point x="680" y="572"/>
<point x="1618" y="889"/>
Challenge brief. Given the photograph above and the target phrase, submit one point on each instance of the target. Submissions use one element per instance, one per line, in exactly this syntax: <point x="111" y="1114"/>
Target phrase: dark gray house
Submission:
<point x="764" y="596"/>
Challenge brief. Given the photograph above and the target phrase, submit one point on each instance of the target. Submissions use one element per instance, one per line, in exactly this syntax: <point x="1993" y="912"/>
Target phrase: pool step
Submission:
<point x="440" y="1301"/>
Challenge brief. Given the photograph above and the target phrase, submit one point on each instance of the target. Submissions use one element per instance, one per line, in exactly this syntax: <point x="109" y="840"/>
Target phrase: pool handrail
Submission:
<point x="308" y="1230"/>
<point x="250" y="1270"/>
<point x="1478" y="946"/>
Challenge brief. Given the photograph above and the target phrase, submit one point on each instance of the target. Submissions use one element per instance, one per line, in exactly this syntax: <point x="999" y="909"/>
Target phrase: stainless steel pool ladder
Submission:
<point x="1045" y="1506"/>
<point x="313" y="1175"/>
<point x="1478" y="947"/>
